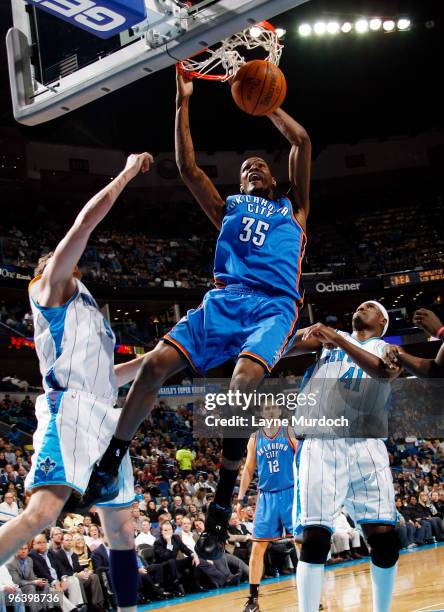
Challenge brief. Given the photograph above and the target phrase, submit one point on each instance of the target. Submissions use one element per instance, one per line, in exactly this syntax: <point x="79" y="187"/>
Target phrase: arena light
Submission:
<point x="333" y="27"/>
<point x="388" y="25"/>
<point x="255" y="31"/>
<point x="403" y="24"/>
<point x="346" y="27"/>
<point x="280" y="32"/>
<point x="375" y="24"/>
<point x="320" y="28"/>
<point x="361" y="26"/>
<point x="304" y="29"/>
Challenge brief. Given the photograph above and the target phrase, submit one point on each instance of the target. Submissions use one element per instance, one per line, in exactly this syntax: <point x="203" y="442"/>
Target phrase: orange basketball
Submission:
<point x="259" y="87"/>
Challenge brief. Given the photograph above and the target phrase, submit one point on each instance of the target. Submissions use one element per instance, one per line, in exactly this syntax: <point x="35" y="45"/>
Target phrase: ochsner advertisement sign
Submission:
<point x="355" y="285"/>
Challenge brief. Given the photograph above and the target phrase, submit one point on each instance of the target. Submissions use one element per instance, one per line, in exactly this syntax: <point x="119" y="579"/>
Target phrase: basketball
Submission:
<point x="259" y="87"/>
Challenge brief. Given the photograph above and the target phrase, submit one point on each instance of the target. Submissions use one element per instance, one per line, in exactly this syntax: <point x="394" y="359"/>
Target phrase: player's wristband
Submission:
<point x="440" y="333"/>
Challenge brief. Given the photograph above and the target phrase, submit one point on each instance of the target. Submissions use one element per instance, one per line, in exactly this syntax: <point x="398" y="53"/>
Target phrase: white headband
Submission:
<point x="384" y="312"/>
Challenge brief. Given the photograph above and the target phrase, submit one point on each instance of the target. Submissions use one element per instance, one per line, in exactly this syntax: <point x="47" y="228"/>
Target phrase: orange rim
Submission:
<point x="194" y="74"/>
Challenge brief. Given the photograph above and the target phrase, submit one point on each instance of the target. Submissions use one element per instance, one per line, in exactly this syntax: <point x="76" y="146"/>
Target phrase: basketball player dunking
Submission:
<point x="76" y="416"/>
<point x="272" y="452"/>
<point x="354" y="472"/>
<point x="252" y="315"/>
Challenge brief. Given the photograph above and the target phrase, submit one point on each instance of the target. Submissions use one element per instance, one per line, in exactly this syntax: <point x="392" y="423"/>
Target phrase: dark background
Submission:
<point x="342" y="88"/>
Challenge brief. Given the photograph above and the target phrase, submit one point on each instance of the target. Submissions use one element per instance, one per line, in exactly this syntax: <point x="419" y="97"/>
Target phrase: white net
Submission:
<point x="221" y="64"/>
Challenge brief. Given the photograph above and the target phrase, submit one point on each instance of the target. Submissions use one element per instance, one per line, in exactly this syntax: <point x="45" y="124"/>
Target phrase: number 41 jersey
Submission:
<point x="260" y="245"/>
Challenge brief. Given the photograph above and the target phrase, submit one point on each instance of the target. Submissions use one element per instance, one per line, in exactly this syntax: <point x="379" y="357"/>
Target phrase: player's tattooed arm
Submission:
<point x="58" y="282"/>
<point x="194" y="177"/>
<point x="127" y="372"/>
<point x="300" y="346"/>
<point x="248" y="472"/>
<point x="422" y="368"/>
<point x="299" y="161"/>
<point x="372" y="365"/>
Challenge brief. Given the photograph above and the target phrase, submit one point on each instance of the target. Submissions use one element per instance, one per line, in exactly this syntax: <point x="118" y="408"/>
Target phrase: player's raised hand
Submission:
<point x="184" y="86"/>
<point x="238" y="509"/>
<point x="138" y="162"/>
<point x="390" y="356"/>
<point x="428" y="321"/>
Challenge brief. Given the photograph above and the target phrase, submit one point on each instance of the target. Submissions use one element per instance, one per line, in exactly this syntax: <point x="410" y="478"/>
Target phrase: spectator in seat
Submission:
<point x="56" y="537"/>
<point x="94" y="537"/>
<point x="22" y="574"/>
<point x="8" y="508"/>
<point x="405" y="528"/>
<point x="343" y="536"/>
<point x="163" y="508"/>
<point x="145" y="536"/>
<point x="426" y="512"/>
<point x="212" y="573"/>
<point x="416" y="517"/>
<point x="45" y="566"/>
<point x="152" y="513"/>
<point x="70" y="566"/>
<point x="239" y="540"/>
<point x="82" y="551"/>
<point x="437" y="499"/>
<point x="166" y="549"/>
<point x="137" y="518"/>
<point x="7" y="587"/>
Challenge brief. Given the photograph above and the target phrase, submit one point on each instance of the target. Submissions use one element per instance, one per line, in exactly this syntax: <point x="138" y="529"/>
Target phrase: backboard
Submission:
<point x="60" y="63"/>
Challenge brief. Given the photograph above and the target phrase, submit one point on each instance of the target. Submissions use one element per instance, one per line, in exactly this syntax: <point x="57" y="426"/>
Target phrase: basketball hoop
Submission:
<point x="221" y="64"/>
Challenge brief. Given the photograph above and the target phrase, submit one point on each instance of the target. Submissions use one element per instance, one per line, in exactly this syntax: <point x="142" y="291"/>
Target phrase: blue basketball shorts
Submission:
<point x="234" y="322"/>
<point x="274" y="515"/>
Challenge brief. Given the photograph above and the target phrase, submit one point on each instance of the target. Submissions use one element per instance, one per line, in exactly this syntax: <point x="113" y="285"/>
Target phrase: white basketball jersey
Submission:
<point x="74" y="344"/>
<point x="340" y="384"/>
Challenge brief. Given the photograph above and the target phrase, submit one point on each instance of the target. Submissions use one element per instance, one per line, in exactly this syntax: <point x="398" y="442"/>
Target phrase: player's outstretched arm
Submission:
<point x="127" y="372"/>
<point x="194" y="177"/>
<point x="299" y="162"/>
<point x="372" y="365"/>
<point x="300" y="346"/>
<point x="418" y="366"/>
<point x="248" y="471"/>
<point x="57" y="282"/>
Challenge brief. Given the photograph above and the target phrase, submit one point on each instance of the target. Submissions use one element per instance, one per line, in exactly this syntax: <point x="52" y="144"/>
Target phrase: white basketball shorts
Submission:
<point x="73" y="431"/>
<point x="331" y="473"/>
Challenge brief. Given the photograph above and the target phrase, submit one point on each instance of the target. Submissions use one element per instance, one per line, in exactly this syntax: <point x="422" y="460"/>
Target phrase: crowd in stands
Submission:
<point x="175" y="480"/>
<point x="384" y="240"/>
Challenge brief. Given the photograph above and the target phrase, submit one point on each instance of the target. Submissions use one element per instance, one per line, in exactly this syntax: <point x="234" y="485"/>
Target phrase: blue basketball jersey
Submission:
<point x="260" y="245"/>
<point x="274" y="458"/>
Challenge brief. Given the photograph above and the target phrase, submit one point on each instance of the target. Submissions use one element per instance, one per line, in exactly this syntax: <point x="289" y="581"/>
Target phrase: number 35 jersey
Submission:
<point x="260" y="245"/>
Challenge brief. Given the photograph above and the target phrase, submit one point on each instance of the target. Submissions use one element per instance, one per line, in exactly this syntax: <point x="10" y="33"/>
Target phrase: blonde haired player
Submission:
<point x="76" y="417"/>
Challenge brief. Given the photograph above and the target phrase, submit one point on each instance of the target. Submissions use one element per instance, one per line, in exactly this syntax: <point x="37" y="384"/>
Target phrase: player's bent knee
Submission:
<point x="385" y="548"/>
<point x="315" y="544"/>
<point x="39" y="517"/>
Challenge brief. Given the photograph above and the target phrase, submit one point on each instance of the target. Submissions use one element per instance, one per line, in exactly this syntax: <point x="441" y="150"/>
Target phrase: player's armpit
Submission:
<point x="205" y="193"/>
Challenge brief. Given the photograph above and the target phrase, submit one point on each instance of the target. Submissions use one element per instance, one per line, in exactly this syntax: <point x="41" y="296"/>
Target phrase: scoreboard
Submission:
<point x="413" y="277"/>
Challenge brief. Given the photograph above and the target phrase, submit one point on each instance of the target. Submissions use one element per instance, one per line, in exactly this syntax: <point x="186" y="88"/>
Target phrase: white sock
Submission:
<point x="382" y="586"/>
<point x="309" y="577"/>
